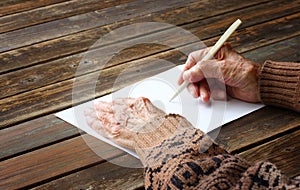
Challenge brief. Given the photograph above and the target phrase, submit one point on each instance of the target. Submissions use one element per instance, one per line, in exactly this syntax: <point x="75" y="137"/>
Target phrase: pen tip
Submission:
<point x="171" y="99"/>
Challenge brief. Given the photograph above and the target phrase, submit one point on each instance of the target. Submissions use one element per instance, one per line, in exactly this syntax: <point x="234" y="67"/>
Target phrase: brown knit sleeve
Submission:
<point x="279" y="84"/>
<point x="177" y="156"/>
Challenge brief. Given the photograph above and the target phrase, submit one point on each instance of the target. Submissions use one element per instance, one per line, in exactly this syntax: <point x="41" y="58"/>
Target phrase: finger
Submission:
<point x="91" y="118"/>
<point x="96" y="124"/>
<point x="196" y="56"/>
<point x="194" y="74"/>
<point x="193" y="89"/>
<point x="206" y="69"/>
<point x="102" y="106"/>
<point x="104" y="113"/>
<point x="204" y="91"/>
<point x="190" y="62"/>
<point x="180" y="79"/>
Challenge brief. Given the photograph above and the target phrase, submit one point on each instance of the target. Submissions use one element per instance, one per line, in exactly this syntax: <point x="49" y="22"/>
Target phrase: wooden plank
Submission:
<point x="53" y="12"/>
<point x="271" y="121"/>
<point x="67" y="66"/>
<point x="58" y="28"/>
<point x="31" y="55"/>
<point x="61" y="158"/>
<point x="284" y="152"/>
<point x="14" y="6"/>
<point x="102" y="176"/>
<point x="35" y="77"/>
<point x="27" y="136"/>
<point x="64" y="157"/>
<point x="147" y="12"/>
<point x="279" y="51"/>
<point x="61" y="92"/>
<point x="57" y="130"/>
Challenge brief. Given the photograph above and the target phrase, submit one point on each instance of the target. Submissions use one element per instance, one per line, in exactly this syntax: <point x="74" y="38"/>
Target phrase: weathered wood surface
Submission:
<point x="102" y="176"/>
<point x="17" y="83"/>
<point x="81" y="41"/>
<point x="14" y="6"/>
<point x="111" y="17"/>
<point x="53" y="12"/>
<point x="26" y="135"/>
<point x="47" y="73"/>
<point x="282" y="151"/>
<point x="51" y="161"/>
<point x="246" y="128"/>
<point x="42" y="43"/>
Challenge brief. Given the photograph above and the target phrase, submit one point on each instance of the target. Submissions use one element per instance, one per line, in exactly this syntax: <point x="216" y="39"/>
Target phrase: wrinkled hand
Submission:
<point x="230" y="72"/>
<point x="122" y="119"/>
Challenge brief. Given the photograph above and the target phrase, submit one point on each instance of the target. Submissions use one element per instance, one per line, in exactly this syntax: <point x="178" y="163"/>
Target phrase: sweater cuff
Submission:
<point x="155" y="133"/>
<point x="174" y="138"/>
<point x="279" y="84"/>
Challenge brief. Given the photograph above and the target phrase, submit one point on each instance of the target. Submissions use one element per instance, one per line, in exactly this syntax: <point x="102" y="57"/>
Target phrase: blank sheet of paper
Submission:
<point x="159" y="89"/>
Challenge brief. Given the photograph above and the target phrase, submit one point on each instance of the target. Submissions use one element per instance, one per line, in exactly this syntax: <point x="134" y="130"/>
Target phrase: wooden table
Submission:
<point x="43" y="42"/>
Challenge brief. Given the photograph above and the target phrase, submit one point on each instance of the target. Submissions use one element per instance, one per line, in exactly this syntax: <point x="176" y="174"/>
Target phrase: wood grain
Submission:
<point x="64" y="157"/>
<point x="34" y="134"/>
<point x="32" y="55"/>
<point x="268" y="120"/>
<point x="102" y="176"/>
<point x="114" y="178"/>
<point x="52" y="126"/>
<point x="53" y="12"/>
<point x="54" y="93"/>
<point x="284" y="152"/>
<point x="43" y="42"/>
<point x="78" y="23"/>
<point x="57" y="129"/>
<point x="292" y="120"/>
<point x="98" y="177"/>
<point x="15" y="6"/>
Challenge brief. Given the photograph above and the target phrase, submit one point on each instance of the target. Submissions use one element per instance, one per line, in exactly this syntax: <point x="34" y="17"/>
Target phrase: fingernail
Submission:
<point x="202" y="98"/>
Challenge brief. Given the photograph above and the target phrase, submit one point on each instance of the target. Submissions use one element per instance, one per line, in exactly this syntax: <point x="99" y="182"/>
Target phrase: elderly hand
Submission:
<point x="122" y="119"/>
<point x="230" y="72"/>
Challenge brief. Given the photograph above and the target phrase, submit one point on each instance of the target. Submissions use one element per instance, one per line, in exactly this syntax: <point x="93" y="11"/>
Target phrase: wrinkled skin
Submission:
<point x="229" y="73"/>
<point x="121" y="119"/>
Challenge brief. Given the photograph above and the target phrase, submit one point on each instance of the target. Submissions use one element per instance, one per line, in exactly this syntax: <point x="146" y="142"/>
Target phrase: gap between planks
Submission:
<point x="46" y="34"/>
<point x="13" y="79"/>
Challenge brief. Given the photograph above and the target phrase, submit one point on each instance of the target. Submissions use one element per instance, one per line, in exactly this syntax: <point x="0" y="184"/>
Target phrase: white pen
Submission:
<point x="213" y="51"/>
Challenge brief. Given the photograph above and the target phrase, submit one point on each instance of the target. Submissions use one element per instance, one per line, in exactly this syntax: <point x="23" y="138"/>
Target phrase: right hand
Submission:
<point x="231" y="70"/>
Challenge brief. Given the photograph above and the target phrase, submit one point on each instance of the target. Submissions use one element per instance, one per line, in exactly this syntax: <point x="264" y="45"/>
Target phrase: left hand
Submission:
<point x="121" y="119"/>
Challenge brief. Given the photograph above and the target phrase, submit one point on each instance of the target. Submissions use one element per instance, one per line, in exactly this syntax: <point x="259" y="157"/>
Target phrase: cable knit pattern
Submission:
<point x="280" y="84"/>
<point x="189" y="159"/>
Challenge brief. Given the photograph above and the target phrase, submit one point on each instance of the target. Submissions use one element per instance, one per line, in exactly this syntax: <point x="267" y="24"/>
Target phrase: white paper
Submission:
<point x="159" y="89"/>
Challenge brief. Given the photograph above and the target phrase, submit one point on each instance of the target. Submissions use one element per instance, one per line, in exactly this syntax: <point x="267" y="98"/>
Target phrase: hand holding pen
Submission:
<point x="229" y="68"/>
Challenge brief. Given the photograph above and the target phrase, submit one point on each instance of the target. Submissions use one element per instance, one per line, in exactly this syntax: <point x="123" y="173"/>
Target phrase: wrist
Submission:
<point x="155" y="133"/>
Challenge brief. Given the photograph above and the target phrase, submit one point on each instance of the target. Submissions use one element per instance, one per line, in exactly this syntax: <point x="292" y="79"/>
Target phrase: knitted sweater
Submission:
<point x="189" y="159"/>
